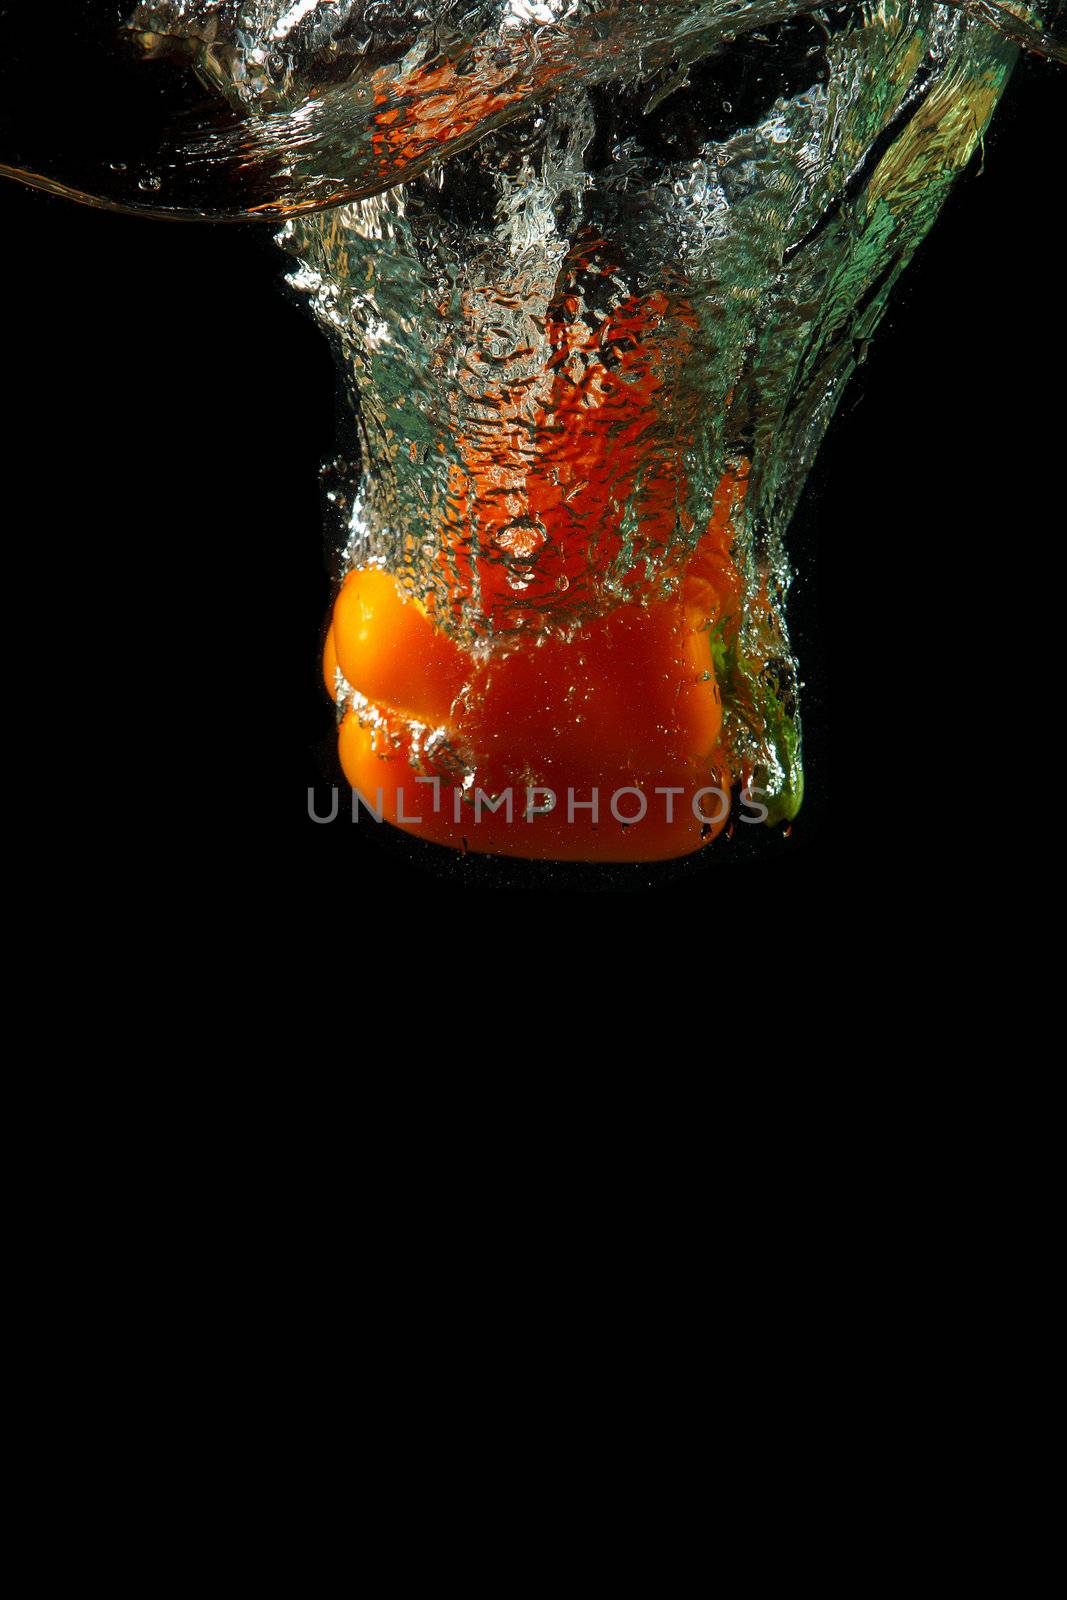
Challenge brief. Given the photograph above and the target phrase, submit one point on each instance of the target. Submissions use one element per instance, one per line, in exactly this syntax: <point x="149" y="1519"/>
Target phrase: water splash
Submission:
<point x="313" y="105"/>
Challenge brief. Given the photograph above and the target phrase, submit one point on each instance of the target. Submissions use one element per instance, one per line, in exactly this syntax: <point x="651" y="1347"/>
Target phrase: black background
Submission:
<point x="168" y="410"/>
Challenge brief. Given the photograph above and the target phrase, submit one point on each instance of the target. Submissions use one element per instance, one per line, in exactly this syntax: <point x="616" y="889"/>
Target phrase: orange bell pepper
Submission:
<point x="627" y="705"/>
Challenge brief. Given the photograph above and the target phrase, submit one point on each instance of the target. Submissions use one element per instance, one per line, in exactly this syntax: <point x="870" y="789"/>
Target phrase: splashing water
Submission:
<point x="596" y="274"/>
